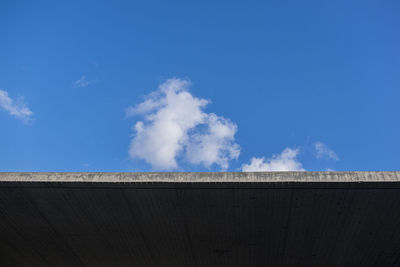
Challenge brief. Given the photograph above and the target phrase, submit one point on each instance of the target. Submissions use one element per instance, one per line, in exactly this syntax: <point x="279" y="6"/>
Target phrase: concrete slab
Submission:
<point x="202" y="177"/>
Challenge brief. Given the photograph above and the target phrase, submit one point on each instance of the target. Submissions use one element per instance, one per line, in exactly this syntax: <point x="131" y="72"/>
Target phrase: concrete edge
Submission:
<point x="201" y="177"/>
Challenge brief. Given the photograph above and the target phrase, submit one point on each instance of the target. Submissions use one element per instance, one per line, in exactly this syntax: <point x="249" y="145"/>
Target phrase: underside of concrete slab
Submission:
<point x="200" y="219"/>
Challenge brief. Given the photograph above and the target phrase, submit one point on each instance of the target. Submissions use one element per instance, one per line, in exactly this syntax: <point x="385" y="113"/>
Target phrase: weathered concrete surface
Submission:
<point x="200" y="219"/>
<point x="202" y="177"/>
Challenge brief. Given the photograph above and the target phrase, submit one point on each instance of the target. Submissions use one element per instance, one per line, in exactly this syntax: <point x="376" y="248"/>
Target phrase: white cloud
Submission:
<point x="286" y="161"/>
<point x="17" y="108"/>
<point x="83" y="81"/>
<point x="323" y="151"/>
<point x="175" y="128"/>
<point x="216" y="145"/>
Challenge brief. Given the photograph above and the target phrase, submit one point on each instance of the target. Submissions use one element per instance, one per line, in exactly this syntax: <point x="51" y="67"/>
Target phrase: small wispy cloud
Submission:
<point x="16" y="108"/>
<point x="323" y="151"/>
<point x="83" y="81"/>
<point x="286" y="161"/>
<point x="175" y="129"/>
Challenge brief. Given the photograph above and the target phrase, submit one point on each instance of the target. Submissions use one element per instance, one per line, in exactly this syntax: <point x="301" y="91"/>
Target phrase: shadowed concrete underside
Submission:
<point x="200" y="219"/>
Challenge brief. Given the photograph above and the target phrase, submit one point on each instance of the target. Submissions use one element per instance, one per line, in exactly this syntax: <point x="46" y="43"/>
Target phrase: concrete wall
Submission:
<point x="200" y="219"/>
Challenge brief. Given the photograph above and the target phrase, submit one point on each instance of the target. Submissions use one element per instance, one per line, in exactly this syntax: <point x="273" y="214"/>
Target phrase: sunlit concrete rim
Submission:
<point x="199" y="177"/>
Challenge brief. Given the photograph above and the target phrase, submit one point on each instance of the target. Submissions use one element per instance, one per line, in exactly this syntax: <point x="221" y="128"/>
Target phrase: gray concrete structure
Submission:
<point x="200" y="219"/>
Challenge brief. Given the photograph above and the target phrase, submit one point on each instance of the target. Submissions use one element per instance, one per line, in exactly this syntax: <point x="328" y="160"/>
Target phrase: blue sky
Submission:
<point x="269" y="85"/>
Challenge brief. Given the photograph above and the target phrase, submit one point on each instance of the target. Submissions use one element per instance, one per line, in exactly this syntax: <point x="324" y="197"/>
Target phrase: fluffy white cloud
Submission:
<point x="176" y="127"/>
<point x="323" y="151"/>
<point x="286" y="161"/>
<point x="17" y="108"/>
<point x="216" y="145"/>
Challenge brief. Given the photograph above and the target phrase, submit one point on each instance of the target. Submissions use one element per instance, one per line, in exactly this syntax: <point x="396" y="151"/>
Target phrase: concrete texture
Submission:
<point x="200" y="219"/>
<point x="201" y="177"/>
